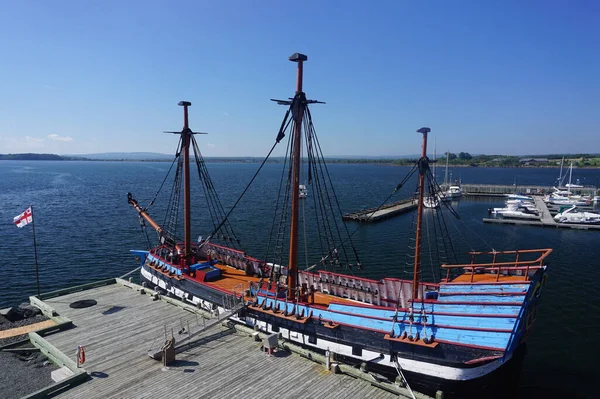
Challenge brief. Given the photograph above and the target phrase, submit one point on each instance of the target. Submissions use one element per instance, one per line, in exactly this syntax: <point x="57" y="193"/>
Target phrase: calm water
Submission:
<point x="85" y="228"/>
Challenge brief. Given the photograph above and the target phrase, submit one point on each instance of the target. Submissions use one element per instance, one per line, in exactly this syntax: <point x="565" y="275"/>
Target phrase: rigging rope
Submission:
<point x="166" y="176"/>
<point x="280" y="136"/>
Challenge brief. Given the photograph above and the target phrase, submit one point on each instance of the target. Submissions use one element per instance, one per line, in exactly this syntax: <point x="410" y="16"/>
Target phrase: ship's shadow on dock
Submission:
<point x="280" y="353"/>
<point x="203" y="341"/>
<point x="184" y="363"/>
<point x="98" y="374"/>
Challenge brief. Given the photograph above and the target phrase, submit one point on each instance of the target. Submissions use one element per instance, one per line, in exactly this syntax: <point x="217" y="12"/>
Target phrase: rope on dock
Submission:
<point x="129" y="273"/>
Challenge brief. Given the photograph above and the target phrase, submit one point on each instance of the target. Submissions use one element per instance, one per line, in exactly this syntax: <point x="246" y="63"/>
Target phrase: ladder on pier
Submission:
<point x="186" y="334"/>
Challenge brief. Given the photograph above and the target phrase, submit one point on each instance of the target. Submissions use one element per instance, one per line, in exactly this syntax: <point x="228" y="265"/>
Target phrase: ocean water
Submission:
<point x="85" y="229"/>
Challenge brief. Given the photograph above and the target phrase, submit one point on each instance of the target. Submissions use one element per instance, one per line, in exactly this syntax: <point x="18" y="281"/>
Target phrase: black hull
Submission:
<point x="215" y="297"/>
<point x="502" y="383"/>
<point x="499" y="382"/>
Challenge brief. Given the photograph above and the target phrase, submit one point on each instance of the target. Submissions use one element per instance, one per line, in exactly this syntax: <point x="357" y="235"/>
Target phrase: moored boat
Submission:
<point x="464" y="334"/>
<point x="454" y="192"/>
<point x="572" y="215"/>
<point x="519" y="197"/>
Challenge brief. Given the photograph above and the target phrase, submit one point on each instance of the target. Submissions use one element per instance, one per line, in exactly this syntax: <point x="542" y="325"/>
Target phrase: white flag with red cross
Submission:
<point x="23" y="219"/>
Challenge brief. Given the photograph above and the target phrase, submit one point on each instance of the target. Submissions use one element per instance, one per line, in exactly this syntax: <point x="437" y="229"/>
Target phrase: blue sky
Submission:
<point x="508" y="77"/>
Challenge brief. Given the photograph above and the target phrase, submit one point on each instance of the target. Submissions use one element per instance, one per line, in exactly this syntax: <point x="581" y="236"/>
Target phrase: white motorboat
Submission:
<point x="529" y="205"/>
<point x="560" y="192"/>
<point x="568" y="201"/>
<point x="517" y="210"/>
<point x="454" y="192"/>
<point x="518" y="197"/>
<point x="570" y="215"/>
<point x="431" y="202"/>
<point x="520" y="214"/>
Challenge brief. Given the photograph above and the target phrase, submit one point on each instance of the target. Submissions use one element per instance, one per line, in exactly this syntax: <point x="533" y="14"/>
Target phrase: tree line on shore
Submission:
<point x="510" y="161"/>
<point x="461" y="159"/>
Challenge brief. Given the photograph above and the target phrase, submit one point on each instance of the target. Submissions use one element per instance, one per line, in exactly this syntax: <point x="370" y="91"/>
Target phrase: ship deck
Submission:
<point x="118" y="331"/>
<point x="234" y="279"/>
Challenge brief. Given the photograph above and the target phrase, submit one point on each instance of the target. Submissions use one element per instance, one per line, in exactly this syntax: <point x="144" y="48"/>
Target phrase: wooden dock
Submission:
<point x="127" y="321"/>
<point x="546" y="219"/>
<point x="386" y="211"/>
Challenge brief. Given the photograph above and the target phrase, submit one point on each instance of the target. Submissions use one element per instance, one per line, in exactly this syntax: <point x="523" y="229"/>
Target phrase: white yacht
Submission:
<point x="570" y="215"/>
<point x="563" y="195"/>
<point x="568" y="200"/>
<point x="453" y="192"/>
<point x="517" y="210"/>
<point x="431" y="202"/>
<point x="518" y="197"/>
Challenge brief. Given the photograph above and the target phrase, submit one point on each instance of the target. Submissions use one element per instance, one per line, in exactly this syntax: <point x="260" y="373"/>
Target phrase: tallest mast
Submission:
<point x="297" y="113"/>
<point x="423" y="166"/>
<point x="186" y="137"/>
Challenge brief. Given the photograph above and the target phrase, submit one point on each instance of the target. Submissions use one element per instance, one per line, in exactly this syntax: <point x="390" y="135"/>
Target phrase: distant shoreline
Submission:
<point x="479" y="162"/>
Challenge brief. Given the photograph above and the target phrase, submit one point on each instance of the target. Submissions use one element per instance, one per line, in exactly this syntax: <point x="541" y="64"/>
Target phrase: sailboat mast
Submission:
<point x="422" y="170"/>
<point x="560" y="176"/>
<point x="434" y="155"/>
<point x="186" y="136"/>
<point x="570" y="174"/>
<point x="446" y="176"/>
<point x="298" y="113"/>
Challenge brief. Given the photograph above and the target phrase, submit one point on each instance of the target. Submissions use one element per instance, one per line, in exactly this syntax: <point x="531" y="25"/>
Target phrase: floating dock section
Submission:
<point x="384" y="212"/>
<point x="546" y="219"/>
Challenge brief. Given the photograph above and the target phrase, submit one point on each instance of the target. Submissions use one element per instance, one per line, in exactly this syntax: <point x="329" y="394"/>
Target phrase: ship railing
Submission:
<point x="232" y="301"/>
<point x="239" y="291"/>
<point x="511" y="267"/>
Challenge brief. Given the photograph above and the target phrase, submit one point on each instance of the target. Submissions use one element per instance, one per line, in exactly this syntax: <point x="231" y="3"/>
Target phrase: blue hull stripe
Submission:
<point x="498" y="340"/>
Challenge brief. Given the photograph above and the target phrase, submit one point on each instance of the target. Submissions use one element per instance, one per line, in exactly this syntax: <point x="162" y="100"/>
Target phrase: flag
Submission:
<point x="24" y="218"/>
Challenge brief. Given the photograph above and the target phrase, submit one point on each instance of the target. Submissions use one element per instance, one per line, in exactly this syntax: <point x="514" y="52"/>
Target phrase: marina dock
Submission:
<point x="500" y="190"/>
<point x="224" y="361"/>
<point x="384" y="212"/>
<point x="473" y="190"/>
<point x="546" y="219"/>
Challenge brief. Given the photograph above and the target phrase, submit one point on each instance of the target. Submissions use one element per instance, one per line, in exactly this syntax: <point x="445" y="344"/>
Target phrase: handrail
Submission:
<point x="492" y="264"/>
<point x="545" y="253"/>
<point x="516" y="264"/>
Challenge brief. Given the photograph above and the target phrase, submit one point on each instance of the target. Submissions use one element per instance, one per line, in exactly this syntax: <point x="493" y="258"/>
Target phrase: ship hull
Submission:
<point x="443" y="368"/>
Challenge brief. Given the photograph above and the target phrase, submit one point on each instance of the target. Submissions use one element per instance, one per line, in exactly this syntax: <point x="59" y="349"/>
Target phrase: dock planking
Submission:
<point x="121" y="328"/>
<point x="384" y="212"/>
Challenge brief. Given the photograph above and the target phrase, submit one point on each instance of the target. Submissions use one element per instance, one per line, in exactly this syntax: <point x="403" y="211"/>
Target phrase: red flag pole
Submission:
<point x="37" y="273"/>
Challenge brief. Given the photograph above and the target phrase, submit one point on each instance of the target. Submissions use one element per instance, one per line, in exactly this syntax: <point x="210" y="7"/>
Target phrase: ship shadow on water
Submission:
<point x="537" y="392"/>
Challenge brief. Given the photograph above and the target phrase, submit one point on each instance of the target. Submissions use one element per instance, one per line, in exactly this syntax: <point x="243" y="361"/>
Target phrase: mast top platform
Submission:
<point x="424" y="130"/>
<point x="184" y="104"/>
<point x="298" y="57"/>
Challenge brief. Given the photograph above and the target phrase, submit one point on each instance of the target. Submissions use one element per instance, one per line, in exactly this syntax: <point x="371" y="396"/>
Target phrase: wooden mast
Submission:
<point x="186" y="137"/>
<point x="422" y="170"/>
<point x="297" y="112"/>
